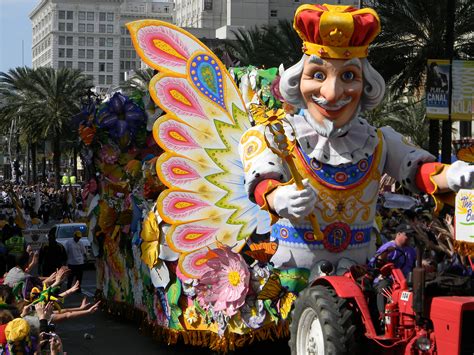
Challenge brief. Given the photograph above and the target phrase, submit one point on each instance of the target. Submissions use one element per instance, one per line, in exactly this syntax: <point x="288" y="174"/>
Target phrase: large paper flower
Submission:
<point x="150" y="235"/>
<point x="226" y="284"/>
<point x="121" y="116"/>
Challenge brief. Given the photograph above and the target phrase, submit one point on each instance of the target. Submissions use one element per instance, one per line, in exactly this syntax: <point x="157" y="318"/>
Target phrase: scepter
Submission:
<point x="272" y="119"/>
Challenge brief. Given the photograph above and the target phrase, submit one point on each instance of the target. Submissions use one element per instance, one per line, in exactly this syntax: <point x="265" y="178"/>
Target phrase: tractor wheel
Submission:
<point x="321" y="324"/>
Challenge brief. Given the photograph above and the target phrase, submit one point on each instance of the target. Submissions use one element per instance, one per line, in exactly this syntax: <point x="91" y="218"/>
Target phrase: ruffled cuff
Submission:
<point x="425" y="182"/>
<point x="264" y="188"/>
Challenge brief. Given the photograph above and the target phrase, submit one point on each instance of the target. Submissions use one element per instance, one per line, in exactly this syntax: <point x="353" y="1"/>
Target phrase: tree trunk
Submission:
<point x="57" y="160"/>
<point x="34" y="172"/>
<point x="28" y="162"/>
<point x="45" y="178"/>
<point x="434" y="138"/>
<point x="74" y="161"/>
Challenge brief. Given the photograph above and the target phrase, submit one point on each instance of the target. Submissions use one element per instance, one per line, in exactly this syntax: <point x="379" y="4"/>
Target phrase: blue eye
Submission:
<point x="348" y="76"/>
<point x="319" y="75"/>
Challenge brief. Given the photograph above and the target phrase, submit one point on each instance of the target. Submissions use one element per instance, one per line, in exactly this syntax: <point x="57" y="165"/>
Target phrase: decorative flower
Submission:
<point x="259" y="276"/>
<point x="121" y="116"/>
<point x="191" y="315"/>
<point x="109" y="153"/>
<point x="133" y="168"/>
<point x="87" y="134"/>
<point x="253" y="313"/>
<point x="189" y="287"/>
<point x="150" y="235"/>
<point x="226" y="284"/>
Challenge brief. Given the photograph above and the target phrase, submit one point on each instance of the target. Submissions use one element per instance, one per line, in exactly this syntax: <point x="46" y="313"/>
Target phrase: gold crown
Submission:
<point x="339" y="32"/>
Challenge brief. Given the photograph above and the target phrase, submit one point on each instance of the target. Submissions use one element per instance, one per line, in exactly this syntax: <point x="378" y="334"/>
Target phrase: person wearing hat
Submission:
<point x="397" y="251"/>
<point x="340" y="156"/>
<point x="76" y="253"/>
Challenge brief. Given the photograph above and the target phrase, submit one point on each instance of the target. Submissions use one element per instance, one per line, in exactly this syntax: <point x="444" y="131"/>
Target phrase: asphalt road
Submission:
<point x="118" y="337"/>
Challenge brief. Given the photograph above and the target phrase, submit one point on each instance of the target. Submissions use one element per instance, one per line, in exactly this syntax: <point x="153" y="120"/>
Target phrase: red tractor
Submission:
<point x="336" y="315"/>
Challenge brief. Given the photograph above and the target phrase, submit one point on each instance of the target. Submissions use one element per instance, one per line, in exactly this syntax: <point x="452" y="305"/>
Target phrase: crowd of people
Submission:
<point x="36" y="275"/>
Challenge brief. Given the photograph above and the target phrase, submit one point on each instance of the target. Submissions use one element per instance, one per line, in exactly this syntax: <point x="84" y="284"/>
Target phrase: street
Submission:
<point x="110" y="335"/>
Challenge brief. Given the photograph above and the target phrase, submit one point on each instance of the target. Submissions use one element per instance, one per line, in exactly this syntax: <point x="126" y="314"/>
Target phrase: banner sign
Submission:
<point x="465" y="215"/>
<point x="462" y="102"/>
<point x="437" y="89"/>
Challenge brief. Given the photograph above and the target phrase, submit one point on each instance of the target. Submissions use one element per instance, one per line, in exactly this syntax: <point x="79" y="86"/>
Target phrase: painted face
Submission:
<point x="332" y="89"/>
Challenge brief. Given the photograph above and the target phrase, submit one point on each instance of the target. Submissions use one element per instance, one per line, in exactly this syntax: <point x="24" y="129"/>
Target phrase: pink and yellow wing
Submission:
<point x="205" y="202"/>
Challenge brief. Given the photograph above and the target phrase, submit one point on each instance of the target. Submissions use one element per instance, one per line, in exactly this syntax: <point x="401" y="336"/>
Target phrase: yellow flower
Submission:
<point x="191" y="315"/>
<point x="263" y="116"/>
<point x="150" y="235"/>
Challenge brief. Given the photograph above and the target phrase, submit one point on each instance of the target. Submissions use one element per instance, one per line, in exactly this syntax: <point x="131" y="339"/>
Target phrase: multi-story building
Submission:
<point x="224" y="16"/>
<point x="90" y="35"/>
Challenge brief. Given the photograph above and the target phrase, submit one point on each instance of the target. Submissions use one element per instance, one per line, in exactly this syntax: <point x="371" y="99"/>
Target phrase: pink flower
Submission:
<point x="109" y="153"/>
<point x="226" y="284"/>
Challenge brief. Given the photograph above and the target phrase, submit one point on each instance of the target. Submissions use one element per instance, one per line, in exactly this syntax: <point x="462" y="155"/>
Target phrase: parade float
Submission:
<point x="180" y="220"/>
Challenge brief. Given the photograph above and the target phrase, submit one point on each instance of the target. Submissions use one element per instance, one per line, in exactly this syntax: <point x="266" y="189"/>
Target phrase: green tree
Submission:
<point x="138" y="81"/>
<point x="47" y="99"/>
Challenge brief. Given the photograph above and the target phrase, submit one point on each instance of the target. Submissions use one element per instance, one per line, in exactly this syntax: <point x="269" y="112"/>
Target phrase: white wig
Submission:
<point x="374" y="85"/>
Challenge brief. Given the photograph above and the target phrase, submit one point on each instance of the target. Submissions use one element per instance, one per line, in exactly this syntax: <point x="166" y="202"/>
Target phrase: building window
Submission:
<point x="101" y="54"/>
<point x="90" y="66"/>
<point x="81" y="66"/>
<point x="207" y="5"/>
<point x="68" y="64"/>
<point x="90" y="27"/>
<point x="82" y="15"/>
<point x="81" y="53"/>
<point x="101" y="16"/>
<point x="69" y="53"/>
<point x="101" y="66"/>
<point x="69" y="27"/>
<point x="61" y="52"/>
<point x="109" y="79"/>
<point x="69" y="41"/>
<point x="82" y="41"/>
<point x="90" y="16"/>
<point x="62" y="40"/>
<point x="110" y="28"/>
<point x="110" y="42"/>
<point x="90" y="54"/>
<point x="110" y="54"/>
<point x="61" y="26"/>
<point x="101" y="28"/>
<point x="62" y="15"/>
<point x="110" y="67"/>
<point x="70" y="15"/>
<point x="81" y="27"/>
<point x="61" y="64"/>
<point x="90" y="41"/>
<point x="110" y="16"/>
<point x="273" y="13"/>
<point x="102" y="79"/>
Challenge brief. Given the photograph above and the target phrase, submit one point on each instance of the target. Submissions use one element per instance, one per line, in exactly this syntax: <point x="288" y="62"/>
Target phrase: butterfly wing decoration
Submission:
<point x="205" y="202"/>
<point x="263" y="251"/>
<point x="279" y="295"/>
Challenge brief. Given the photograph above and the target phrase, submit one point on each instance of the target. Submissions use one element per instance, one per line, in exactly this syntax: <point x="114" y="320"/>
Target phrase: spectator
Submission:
<point x="19" y="272"/>
<point x="52" y="256"/>
<point x="76" y="253"/>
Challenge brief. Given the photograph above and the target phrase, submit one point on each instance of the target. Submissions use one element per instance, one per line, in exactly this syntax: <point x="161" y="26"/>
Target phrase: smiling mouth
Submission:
<point x="323" y="103"/>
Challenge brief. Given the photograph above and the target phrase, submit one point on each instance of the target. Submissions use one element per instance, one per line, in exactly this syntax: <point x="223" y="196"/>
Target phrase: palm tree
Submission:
<point x="268" y="46"/>
<point x="414" y="31"/>
<point x="48" y="99"/>
<point x="138" y="81"/>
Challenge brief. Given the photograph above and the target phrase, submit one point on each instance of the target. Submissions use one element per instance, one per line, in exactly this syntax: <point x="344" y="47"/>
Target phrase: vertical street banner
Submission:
<point x="462" y="100"/>
<point x="437" y="89"/>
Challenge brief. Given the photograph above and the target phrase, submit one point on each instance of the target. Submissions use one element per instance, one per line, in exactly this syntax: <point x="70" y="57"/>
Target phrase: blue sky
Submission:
<point x="15" y="26"/>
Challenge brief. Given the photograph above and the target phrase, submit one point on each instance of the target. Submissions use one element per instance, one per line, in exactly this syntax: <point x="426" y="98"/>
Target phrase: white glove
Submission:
<point x="460" y="175"/>
<point x="289" y="202"/>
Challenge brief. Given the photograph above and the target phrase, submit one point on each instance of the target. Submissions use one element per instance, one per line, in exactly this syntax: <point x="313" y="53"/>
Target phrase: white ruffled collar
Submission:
<point x="347" y="145"/>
